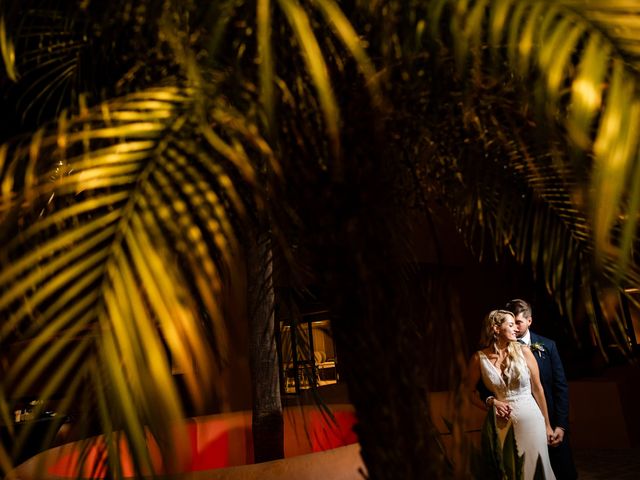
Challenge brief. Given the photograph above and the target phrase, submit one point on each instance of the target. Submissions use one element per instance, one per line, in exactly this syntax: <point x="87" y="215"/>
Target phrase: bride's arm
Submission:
<point x="537" y="390"/>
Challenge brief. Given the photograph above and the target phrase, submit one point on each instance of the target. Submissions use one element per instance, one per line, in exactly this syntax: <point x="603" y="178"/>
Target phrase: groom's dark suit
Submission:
<point x="556" y="393"/>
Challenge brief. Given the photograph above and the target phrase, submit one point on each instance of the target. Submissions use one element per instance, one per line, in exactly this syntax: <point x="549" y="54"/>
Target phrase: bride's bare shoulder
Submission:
<point x="486" y="351"/>
<point x="478" y="354"/>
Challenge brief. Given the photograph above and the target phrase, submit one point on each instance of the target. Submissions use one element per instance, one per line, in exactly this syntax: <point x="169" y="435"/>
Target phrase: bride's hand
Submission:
<point x="503" y="409"/>
<point x="550" y="435"/>
<point x="558" y="436"/>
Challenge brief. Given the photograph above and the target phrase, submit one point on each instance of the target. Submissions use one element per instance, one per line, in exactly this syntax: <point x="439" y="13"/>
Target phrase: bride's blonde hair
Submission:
<point x="513" y="364"/>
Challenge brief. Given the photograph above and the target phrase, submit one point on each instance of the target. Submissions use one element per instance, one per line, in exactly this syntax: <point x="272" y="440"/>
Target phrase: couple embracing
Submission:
<point x="520" y="375"/>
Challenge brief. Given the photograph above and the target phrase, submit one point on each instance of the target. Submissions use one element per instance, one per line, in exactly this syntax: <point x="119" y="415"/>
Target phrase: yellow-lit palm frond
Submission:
<point x="316" y="66"/>
<point x="7" y="49"/>
<point x="580" y="58"/>
<point x="126" y="234"/>
<point x="531" y="209"/>
<point x="49" y="51"/>
<point x="510" y="191"/>
<point x="43" y="45"/>
<point x="299" y="46"/>
<point x="618" y="20"/>
<point x="312" y="54"/>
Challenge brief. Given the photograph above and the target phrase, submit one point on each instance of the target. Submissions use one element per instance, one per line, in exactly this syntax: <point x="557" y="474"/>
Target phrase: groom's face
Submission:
<point x="522" y="325"/>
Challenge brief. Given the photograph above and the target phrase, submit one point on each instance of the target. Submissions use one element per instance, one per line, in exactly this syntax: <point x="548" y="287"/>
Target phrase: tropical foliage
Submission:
<point x="501" y="460"/>
<point x="145" y="139"/>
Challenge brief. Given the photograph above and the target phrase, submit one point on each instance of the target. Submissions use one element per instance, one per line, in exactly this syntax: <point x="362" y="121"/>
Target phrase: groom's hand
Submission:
<point x="558" y="437"/>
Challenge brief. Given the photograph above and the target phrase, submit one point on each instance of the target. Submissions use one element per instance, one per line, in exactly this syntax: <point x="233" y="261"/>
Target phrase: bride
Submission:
<point x="510" y="371"/>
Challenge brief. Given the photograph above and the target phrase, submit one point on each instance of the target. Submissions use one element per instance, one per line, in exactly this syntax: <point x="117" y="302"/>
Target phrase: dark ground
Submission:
<point x="608" y="464"/>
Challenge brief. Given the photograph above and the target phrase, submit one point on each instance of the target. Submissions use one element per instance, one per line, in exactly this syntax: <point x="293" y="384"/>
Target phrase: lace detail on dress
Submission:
<point x="495" y="382"/>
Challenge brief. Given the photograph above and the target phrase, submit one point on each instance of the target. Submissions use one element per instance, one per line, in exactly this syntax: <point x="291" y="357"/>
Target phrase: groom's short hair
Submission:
<point x="518" y="306"/>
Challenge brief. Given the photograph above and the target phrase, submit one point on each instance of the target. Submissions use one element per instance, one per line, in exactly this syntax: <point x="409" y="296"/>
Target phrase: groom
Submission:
<point x="556" y="390"/>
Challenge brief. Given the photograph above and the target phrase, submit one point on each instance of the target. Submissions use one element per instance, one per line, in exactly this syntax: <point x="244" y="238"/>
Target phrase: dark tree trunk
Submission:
<point x="382" y="352"/>
<point x="267" y="422"/>
<point x="389" y="353"/>
<point x="354" y="224"/>
<point x="380" y="319"/>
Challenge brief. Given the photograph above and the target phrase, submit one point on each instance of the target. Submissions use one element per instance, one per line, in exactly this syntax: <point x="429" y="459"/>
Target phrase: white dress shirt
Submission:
<point x="526" y="338"/>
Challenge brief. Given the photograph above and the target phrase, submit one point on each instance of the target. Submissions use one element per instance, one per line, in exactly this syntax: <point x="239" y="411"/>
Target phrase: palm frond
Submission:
<point x="582" y="64"/>
<point x="528" y="209"/>
<point x="265" y="59"/>
<point x="316" y="66"/>
<point x="7" y="49"/>
<point x="135" y="213"/>
<point x="50" y="48"/>
<point x="296" y="61"/>
<point x="121" y="223"/>
<point x="350" y="38"/>
<point x="618" y="20"/>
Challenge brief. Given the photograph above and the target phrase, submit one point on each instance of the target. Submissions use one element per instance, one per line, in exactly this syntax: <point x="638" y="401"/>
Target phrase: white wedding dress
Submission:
<point x="526" y="417"/>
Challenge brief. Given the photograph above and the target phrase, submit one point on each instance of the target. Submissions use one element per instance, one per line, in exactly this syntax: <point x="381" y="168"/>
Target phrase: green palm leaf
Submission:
<point x="618" y="19"/>
<point x="559" y="246"/>
<point x="120" y="224"/>
<point x="48" y="50"/>
<point x="134" y="234"/>
<point x="581" y="60"/>
<point x="316" y="66"/>
<point x="8" y="51"/>
<point x="265" y="59"/>
<point x="511" y="194"/>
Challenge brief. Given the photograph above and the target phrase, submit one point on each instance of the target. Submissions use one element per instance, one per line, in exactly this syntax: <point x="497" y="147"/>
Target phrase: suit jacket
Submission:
<point x="554" y="381"/>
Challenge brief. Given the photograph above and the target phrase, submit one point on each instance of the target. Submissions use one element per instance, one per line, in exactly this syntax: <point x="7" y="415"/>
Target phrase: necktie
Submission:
<point x="521" y="341"/>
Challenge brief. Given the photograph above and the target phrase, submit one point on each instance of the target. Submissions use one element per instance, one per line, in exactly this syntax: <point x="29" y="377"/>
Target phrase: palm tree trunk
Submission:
<point x="382" y="352"/>
<point x="267" y="422"/>
<point x="380" y="317"/>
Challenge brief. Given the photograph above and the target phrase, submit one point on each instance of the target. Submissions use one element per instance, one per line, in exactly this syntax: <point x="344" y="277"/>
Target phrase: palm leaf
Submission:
<point x="299" y="29"/>
<point x="46" y="65"/>
<point x="349" y="37"/>
<point x="584" y="49"/>
<point x="520" y="197"/>
<point x="8" y="51"/>
<point x="513" y="462"/>
<point x="135" y="221"/>
<point x="558" y="247"/>
<point x="618" y="19"/>
<point x="563" y="234"/>
<point x="492" y="453"/>
<point x="120" y="223"/>
<point x="50" y="48"/>
<point x="316" y="66"/>
<point x="265" y="59"/>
